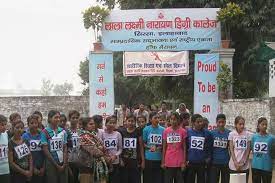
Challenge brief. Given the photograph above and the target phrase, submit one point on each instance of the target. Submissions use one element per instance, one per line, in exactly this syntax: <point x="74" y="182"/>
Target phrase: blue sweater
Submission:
<point x="199" y="145"/>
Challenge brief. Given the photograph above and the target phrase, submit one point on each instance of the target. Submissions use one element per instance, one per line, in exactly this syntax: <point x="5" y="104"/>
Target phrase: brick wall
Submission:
<point x="27" y="105"/>
<point x="251" y="110"/>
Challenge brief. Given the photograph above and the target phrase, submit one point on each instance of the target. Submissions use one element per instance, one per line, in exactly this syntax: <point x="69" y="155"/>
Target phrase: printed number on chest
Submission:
<point x="75" y="140"/>
<point x="22" y="150"/>
<point x="110" y="143"/>
<point x="35" y="145"/>
<point x="155" y="139"/>
<point x="56" y="144"/>
<point x="3" y="152"/>
<point x="241" y="143"/>
<point x="197" y="142"/>
<point x="173" y="139"/>
<point x="220" y="143"/>
<point x="129" y="143"/>
<point x="260" y="147"/>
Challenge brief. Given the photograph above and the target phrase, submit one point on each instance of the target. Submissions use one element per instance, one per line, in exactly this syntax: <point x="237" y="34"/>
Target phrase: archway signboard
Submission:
<point x="162" y="30"/>
<point x="155" y="30"/>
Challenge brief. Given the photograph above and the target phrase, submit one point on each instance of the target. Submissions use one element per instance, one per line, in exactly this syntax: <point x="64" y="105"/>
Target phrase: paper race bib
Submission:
<point x="110" y="143"/>
<point x="220" y="143"/>
<point x="173" y="139"/>
<point x="75" y="140"/>
<point x="22" y="150"/>
<point x="155" y="139"/>
<point x="56" y="144"/>
<point x="35" y="145"/>
<point x="129" y="143"/>
<point x="241" y="143"/>
<point x="3" y="152"/>
<point x="197" y="142"/>
<point x="260" y="147"/>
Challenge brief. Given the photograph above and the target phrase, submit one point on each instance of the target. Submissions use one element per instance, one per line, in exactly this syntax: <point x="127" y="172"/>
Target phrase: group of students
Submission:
<point x="173" y="151"/>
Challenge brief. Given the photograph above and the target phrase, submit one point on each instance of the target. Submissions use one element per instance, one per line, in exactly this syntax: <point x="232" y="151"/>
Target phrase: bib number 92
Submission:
<point x="260" y="147"/>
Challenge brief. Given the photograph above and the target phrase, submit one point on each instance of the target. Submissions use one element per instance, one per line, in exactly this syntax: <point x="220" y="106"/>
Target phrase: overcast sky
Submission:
<point x="42" y="39"/>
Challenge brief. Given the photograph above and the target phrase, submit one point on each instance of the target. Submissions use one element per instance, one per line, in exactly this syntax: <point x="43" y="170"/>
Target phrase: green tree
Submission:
<point x="250" y="78"/>
<point x="132" y="90"/>
<point x="94" y="17"/>
<point x="257" y="26"/>
<point x="63" y="89"/>
<point x="46" y="88"/>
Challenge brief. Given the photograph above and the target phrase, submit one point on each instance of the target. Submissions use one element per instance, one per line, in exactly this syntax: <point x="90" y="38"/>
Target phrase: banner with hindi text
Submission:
<point x="162" y="30"/>
<point x="156" y="63"/>
<point x="101" y="83"/>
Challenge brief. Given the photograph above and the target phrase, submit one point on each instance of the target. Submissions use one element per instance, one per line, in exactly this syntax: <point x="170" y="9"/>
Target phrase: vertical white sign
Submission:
<point x="206" y="101"/>
<point x="101" y="80"/>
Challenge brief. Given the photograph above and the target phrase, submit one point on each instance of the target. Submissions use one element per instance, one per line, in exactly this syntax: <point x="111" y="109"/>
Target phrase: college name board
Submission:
<point x="161" y="30"/>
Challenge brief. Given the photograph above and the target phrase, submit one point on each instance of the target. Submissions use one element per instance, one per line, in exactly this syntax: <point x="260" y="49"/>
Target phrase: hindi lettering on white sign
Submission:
<point x="162" y="30"/>
<point x="156" y="63"/>
<point x="101" y="80"/>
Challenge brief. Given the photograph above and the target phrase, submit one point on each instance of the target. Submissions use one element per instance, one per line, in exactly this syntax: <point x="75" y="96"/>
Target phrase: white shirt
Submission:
<point x="4" y="163"/>
<point x="240" y="144"/>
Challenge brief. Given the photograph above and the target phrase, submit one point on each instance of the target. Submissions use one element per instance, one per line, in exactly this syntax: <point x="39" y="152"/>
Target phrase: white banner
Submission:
<point x="206" y="87"/>
<point x="162" y="30"/>
<point x="101" y="77"/>
<point x="156" y="63"/>
<point x="272" y="78"/>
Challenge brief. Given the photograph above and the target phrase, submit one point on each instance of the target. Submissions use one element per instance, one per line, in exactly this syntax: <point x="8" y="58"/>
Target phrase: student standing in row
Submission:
<point x="198" y="149"/>
<point x="4" y="162"/>
<point x="239" y="144"/>
<point x="220" y="153"/>
<point x="132" y="149"/>
<point x="152" y="138"/>
<point x="113" y="143"/>
<point x="73" y="146"/>
<point x="33" y="138"/>
<point x="141" y="123"/>
<point x="98" y="131"/>
<point x="40" y="119"/>
<point x="92" y="152"/>
<point x="261" y="145"/>
<point x="20" y="158"/>
<point x="14" y="117"/>
<point x="174" y="150"/>
<point x="54" y="141"/>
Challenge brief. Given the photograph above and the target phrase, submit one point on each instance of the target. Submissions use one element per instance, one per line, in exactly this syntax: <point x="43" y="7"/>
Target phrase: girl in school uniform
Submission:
<point x="261" y="145"/>
<point x="239" y="145"/>
<point x="54" y="142"/>
<point x="20" y="157"/>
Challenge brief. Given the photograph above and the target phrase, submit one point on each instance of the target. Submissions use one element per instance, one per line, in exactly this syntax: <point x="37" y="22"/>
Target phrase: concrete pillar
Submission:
<point x="226" y="56"/>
